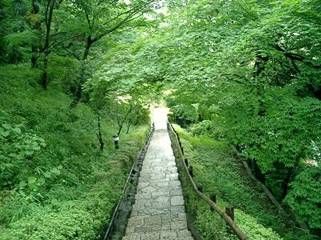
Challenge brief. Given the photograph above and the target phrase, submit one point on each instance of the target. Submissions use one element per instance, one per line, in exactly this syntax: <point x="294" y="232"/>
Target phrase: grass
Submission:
<point x="205" y="223"/>
<point x="67" y="189"/>
<point x="219" y="173"/>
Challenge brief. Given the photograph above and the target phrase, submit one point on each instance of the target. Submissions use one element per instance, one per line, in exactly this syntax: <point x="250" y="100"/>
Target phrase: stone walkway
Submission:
<point x="158" y="212"/>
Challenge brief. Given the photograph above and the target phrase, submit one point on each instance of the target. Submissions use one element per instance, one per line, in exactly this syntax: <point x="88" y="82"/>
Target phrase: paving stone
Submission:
<point x="150" y="236"/>
<point x="136" y="221"/>
<point x="184" y="233"/>
<point x="158" y="212"/>
<point x="168" y="235"/>
<point x="178" y="225"/>
<point x="177" y="201"/>
<point x="175" y="210"/>
<point x="133" y="236"/>
<point x="153" y="220"/>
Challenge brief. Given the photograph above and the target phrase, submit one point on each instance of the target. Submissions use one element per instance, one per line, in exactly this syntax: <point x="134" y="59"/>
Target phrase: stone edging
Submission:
<point x="121" y="212"/>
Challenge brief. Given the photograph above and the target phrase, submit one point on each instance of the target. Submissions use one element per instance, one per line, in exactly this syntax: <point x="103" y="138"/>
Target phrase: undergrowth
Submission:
<point x="54" y="182"/>
<point x="205" y="223"/>
<point x="219" y="173"/>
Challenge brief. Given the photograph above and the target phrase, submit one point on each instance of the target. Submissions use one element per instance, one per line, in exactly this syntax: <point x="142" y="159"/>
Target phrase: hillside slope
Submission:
<point x="54" y="182"/>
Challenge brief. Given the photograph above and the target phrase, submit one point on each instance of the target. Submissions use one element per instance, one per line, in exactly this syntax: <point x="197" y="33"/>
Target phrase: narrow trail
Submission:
<point x="158" y="212"/>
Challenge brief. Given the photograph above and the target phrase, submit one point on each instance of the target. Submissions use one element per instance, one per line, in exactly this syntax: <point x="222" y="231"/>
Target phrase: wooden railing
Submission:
<point x="118" y="222"/>
<point x="188" y="170"/>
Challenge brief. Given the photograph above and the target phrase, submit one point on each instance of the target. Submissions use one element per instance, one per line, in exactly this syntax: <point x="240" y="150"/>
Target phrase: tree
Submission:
<point x="304" y="196"/>
<point x="257" y="79"/>
<point x="48" y="18"/>
<point x="91" y="21"/>
<point x="127" y="111"/>
<point x="2" y="32"/>
<point x="14" y="32"/>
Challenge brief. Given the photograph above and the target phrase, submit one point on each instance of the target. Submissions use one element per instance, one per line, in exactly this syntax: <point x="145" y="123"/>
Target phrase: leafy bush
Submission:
<point x="17" y="150"/>
<point x="305" y="196"/>
<point x="207" y="127"/>
<point x="253" y="229"/>
<point x="55" y="183"/>
<point x="184" y="114"/>
<point x="220" y="174"/>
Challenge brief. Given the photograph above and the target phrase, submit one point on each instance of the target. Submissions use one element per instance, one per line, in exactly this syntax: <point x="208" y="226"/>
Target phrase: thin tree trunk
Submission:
<point x="99" y="133"/>
<point x="120" y="128"/>
<point x="34" y="26"/>
<point x="128" y="127"/>
<point x="88" y="45"/>
<point x="259" y="67"/>
<point x="44" y="77"/>
<point x="286" y="182"/>
<point x="34" y="56"/>
<point x="78" y="92"/>
<point x="46" y="50"/>
<point x="122" y="122"/>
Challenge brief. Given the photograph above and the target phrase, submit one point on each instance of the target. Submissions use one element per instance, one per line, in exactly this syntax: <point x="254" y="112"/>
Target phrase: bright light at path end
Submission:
<point x="159" y="117"/>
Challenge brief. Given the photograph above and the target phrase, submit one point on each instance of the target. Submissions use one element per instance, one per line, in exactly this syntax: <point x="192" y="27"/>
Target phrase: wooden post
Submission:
<point x="200" y="187"/>
<point x="230" y="212"/>
<point x="213" y="197"/>
<point x="186" y="162"/>
<point x="190" y="170"/>
<point x="179" y="177"/>
<point x="131" y="180"/>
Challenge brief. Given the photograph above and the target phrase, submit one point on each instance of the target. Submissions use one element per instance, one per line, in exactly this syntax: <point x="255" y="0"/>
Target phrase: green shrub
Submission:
<point x="54" y="181"/>
<point x="219" y="173"/>
<point x="253" y="229"/>
<point x="17" y="151"/>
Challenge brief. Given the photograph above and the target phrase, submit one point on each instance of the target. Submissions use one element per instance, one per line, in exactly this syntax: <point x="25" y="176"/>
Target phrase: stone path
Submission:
<point x="158" y="212"/>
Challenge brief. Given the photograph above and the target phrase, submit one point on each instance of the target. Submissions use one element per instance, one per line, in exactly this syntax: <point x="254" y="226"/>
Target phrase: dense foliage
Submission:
<point x="60" y="176"/>
<point x="55" y="182"/>
<point x="222" y="175"/>
<point x="73" y="73"/>
<point x="248" y="73"/>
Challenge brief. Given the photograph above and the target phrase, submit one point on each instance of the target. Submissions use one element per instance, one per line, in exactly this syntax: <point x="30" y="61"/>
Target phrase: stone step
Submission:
<point x="160" y="222"/>
<point x="163" y="235"/>
<point x="158" y="212"/>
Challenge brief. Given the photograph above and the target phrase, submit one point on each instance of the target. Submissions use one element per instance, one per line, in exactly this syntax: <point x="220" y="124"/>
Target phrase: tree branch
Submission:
<point x="131" y="16"/>
<point x="296" y="57"/>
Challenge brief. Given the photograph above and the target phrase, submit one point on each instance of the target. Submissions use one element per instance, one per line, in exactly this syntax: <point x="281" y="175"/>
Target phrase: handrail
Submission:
<point x="212" y="204"/>
<point x="124" y="193"/>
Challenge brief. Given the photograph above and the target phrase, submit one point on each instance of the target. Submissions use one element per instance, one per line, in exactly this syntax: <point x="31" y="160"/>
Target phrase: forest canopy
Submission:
<point x="243" y="72"/>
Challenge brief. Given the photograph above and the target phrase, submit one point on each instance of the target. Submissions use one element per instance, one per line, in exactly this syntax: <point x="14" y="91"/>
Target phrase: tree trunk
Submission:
<point x="46" y="51"/>
<point x="259" y="67"/>
<point x="44" y="76"/>
<point x="82" y="78"/>
<point x="34" y="57"/>
<point x="286" y="182"/>
<point x="120" y="128"/>
<point x="99" y="133"/>
<point x="128" y="127"/>
<point x="121" y="122"/>
<point x="37" y="27"/>
<point x="88" y="45"/>
<point x="78" y="89"/>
